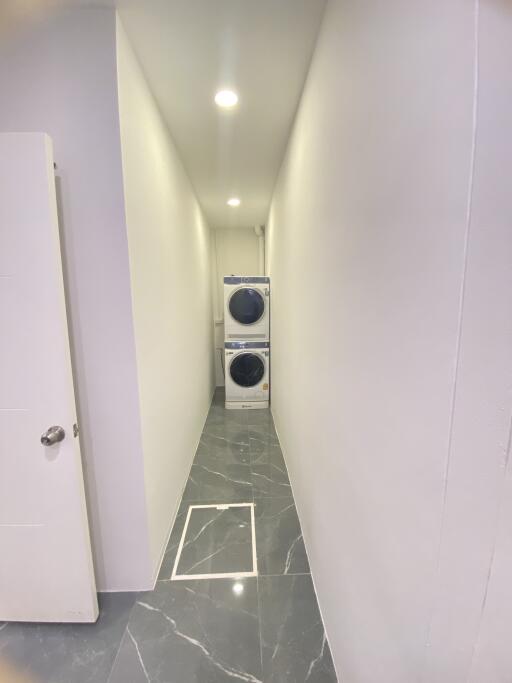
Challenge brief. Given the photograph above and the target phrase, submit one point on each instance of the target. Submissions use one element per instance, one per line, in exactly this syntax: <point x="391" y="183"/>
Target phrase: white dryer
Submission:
<point x="246" y="307"/>
<point x="247" y="370"/>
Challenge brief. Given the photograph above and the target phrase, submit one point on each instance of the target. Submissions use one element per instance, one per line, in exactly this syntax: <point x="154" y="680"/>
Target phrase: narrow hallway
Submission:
<point x="307" y="203"/>
<point x="265" y="628"/>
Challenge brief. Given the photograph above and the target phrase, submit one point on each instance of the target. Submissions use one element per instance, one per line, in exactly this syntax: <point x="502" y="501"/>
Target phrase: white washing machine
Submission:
<point x="247" y="370"/>
<point x="246" y="307"/>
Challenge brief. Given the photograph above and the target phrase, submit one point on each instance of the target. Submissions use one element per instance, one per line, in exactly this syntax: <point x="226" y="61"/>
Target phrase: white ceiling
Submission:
<point x="261" y="48"/>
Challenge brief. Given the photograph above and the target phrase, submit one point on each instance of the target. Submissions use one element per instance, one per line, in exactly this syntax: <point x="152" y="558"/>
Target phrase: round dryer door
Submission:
<point x="247" y="305"/>
<point x="247" y="369"/>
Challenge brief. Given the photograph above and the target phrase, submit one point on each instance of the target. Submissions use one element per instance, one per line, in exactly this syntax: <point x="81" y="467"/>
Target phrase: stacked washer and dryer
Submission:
<point x="247" y="341"/>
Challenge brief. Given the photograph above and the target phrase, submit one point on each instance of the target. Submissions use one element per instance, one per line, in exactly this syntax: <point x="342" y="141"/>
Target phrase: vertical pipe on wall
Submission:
<point x="260" y="232"/>
<point x="218" y="310"/>
<point x="217" y="313"/>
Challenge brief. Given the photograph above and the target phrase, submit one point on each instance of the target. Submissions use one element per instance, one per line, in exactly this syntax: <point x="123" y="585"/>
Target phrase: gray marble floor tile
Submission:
<point x="264" y="432"/>
<point x="218" y="413"/>
<point x="270" y="480"/>
<point x="193" y="486"/>
<point x="226" y="428"/>
<point x="174" y="540"/>
<point x="219" y="397"/>
<point x="201" y="449"/>
<point x="263" y="446"/>
<point x="260" y="417"/>
<point x="218" y="456"/>
<point x="294" y="646"/>
<point x="233" y="439"/>
<point x="279" y="537"/>
<point x="217" y="541"/>
<point x="226" y="483"/>
<point x="69" y="653"/>
<point x="268" y="455"/>
<point x="192" y="632"/>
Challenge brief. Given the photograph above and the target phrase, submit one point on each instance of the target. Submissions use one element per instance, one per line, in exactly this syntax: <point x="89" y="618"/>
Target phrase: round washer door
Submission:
<point x="247" y="305"/>
<point x="247" y="369"/>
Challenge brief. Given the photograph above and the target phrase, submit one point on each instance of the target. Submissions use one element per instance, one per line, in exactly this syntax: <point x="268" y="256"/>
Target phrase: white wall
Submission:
<point x="473" y="608"/>
<point x="133" y="326"/>
<point x="60" y="77"/>
<point x="237" y="252"/>
<point x="169" y="246"/>
<point x="390" y="252"/>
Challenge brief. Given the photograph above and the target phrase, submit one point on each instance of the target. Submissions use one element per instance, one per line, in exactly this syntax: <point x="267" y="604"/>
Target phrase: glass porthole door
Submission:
<point x="247" y="305"/>
<point x="247" y="369"/>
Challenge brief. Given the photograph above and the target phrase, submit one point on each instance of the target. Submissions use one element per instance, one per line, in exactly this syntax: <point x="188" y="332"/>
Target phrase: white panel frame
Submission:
<point x="221" y="575"/>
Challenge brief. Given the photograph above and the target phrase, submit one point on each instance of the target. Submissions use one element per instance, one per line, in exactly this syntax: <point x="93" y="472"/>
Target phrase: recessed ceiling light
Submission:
<point x="234" y="201"/>
<point x="226" y="99"/>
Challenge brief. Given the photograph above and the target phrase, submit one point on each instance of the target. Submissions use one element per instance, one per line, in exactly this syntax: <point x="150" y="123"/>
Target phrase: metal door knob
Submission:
<point x="53" y="435"/>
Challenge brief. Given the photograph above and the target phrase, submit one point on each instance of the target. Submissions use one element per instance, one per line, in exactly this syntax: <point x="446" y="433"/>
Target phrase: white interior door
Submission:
<point x="46" y="571"/>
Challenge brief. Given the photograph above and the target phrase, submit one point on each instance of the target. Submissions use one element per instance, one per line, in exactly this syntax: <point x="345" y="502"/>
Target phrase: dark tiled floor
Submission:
<point x="264" y="629"/>
<point x="217" y="541"/>
<point x="77" y="653"/>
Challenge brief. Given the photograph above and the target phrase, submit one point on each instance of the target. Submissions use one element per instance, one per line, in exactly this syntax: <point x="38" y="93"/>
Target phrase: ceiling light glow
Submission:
<point x="234" y="201"/>
<point x="238" y="588"/>
<point x="226" y="99"/>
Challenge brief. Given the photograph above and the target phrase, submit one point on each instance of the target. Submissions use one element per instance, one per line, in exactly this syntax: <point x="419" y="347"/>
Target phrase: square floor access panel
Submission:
<point x="218" y="541"/>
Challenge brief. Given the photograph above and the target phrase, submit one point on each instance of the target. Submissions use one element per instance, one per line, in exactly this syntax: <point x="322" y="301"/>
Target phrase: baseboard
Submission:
<point x="156" y="573"/>
<point x="306" y="547"/>
<point x="169" y="532"/>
